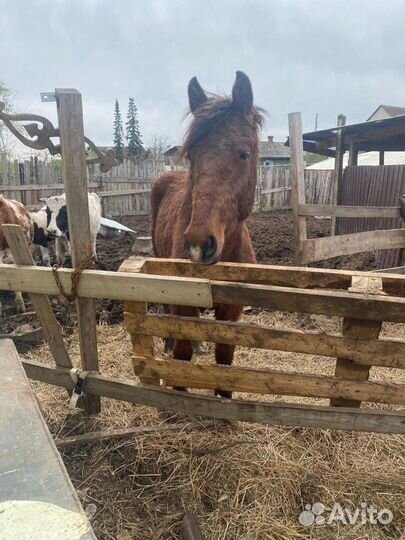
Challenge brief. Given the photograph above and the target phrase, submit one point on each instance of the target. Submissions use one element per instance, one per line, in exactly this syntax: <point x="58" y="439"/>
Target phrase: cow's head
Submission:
<point x="57" y="217"/>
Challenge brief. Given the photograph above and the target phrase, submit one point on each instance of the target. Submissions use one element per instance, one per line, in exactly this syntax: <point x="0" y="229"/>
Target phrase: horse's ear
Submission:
<point x="242" y="93"/>
<point x="196" y="95"/>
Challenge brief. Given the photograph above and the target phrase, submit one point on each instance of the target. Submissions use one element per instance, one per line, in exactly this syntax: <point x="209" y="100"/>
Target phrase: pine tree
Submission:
<point x="118" y="133"/>
<point x="133" y="132"/>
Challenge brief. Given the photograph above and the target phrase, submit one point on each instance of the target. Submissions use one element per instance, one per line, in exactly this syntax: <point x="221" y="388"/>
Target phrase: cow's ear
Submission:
<point x="43" y="199"/>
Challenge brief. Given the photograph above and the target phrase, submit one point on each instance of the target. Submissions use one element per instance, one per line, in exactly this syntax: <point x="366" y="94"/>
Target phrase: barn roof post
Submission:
<point x="340" y="152"/>
<point x="71" y="132"/>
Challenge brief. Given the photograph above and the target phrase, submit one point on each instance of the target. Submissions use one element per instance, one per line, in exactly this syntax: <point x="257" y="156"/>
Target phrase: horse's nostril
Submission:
<point x="210" y="247"/>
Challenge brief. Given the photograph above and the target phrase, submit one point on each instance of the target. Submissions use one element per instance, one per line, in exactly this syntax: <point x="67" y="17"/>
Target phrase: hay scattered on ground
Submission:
<point x="243" y="481"/>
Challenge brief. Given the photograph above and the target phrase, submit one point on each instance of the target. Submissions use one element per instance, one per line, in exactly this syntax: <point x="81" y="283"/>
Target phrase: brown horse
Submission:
<point x="201" y="214"/>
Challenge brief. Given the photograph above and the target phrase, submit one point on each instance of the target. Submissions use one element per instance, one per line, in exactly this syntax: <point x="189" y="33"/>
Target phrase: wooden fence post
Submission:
<point x="297" y="182"/>
<point x="71" y="132"/>
<point x="142" y="344"/>
<point x="349" y="369"/>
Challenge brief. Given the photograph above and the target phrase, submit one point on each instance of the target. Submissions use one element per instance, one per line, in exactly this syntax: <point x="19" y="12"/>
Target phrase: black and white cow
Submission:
<point x="41" y="241"/>
<point x="58" y="226"/>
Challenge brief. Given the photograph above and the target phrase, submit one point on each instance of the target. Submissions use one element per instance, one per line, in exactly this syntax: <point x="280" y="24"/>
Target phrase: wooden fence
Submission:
<point x="373" y="186"/>
<point x="124" y="190"/>
<point x="274" y="188"/>
<point x="363" y="302"/>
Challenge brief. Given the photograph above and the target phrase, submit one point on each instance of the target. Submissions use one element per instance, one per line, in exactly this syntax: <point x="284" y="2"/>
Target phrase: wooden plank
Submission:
<point x="340" y="152"/>
<point x="50" y="326"/>
<point x="71" y="132"/>
<point x="260" y="273"/>
<point x="337" y="303"/>
<point x="297" y="182"/>
<point x="113" y="285"/>
<point x="171" y="290"/>
<point x="349" y="211"/>
<point x="348" y="368"/>
<point x="371" y="420"/>
<point x="318" y="249"/>
<point x="353" y="154"/>
<point x="41" y="187"/>
<point x="190" y="528"/>
<point x="142" y="344"/>
<point x="260" y="381"/>
<point x="31" y="469"/>
<point x="139" y="431"/>
<point x="383" y="352"/>
<point x="395" y="270"/>
<point x="123" y="192"/>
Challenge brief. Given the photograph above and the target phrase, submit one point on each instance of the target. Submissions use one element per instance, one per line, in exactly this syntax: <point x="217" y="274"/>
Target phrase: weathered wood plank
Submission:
<point x="190" y="528"/>
<point x="50" y="326"/>
<point x="317" y="249"/>
<point x="304" y="278"/>
<point x="348" y="368"/>
<point x="97" y="436"/>
<point x="297" y="182"/>
<point x="142" y="344"/>
<point x="113" y="285"/>
<point x="372" y="420"/>
<point x="339" y="153"/>
<point x="42" y="187"/>
<point x="321" y="302"/>
<point x="256" y="381"/>
<point x="349" y="211"/>
<point x="71" y="132"/>
<point x="383" y="352"/>
<point x="171" y="290"/>
<point x="120" y="193"/>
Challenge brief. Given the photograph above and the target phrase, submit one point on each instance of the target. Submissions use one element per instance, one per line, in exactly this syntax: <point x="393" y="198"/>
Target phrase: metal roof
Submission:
<point x="387" y="134"/>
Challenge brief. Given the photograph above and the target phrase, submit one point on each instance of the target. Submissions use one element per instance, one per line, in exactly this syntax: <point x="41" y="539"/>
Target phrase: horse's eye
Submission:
<point x="244" y="156"/>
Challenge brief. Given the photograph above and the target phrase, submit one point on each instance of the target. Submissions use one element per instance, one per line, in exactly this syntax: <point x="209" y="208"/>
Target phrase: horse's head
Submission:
<point x="222" y="147"/>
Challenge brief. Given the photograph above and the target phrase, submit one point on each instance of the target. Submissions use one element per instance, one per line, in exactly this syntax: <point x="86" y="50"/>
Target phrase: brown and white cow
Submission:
<point x="14" y="213"/>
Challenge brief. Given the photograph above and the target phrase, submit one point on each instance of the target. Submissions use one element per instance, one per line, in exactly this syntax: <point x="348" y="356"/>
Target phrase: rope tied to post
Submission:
<point x="87" y="264"/>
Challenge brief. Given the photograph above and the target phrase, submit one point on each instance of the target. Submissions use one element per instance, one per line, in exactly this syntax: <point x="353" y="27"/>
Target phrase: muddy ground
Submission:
<point x="273" y="239"/>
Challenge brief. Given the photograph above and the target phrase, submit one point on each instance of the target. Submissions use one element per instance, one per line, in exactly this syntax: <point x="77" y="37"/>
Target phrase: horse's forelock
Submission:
<point x="215" y="112"/>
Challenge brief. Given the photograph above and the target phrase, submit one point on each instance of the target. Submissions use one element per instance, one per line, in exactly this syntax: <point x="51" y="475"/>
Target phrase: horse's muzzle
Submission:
<point x="207" y="254"/>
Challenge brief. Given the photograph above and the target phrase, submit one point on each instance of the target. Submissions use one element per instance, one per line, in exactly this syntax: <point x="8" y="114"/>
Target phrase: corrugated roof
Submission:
<point x="385" y="134"/>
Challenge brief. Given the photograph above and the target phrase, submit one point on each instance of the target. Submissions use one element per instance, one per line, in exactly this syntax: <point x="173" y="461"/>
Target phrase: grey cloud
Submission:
<point x="315" y="56"/>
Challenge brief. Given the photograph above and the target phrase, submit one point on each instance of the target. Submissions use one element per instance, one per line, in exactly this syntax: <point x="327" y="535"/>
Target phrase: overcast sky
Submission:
<point x="314" y="56"/>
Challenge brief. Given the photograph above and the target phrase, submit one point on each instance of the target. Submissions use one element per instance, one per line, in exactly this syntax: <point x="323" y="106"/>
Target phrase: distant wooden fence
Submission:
<point x="274" y="188"/>
<point x="124" y="190"/>
<point x="373" y="186"/>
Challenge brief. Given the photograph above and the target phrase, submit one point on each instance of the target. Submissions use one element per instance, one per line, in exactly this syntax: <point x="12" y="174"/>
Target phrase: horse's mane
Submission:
<point x="210" y="116"/>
